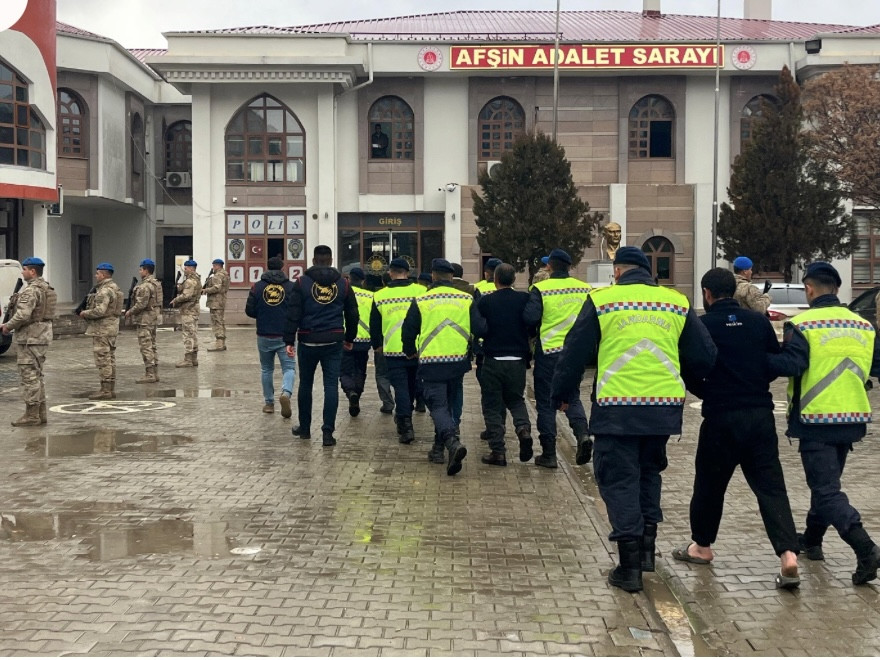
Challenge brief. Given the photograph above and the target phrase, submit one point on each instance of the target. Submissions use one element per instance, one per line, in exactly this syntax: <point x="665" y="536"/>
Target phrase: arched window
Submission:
<point x="265" y="143"/>
<point x="137" y="144"/>
<point x="22" y="133"/>
<point x="178" y="147"/>
<point x="661" y="254"/>
<point x="391" y="129"/>
<point x="651" y="128"/>
<point x="501" y="121"/>
<point x="72" y="125"/>
<point x="751" y="113"/>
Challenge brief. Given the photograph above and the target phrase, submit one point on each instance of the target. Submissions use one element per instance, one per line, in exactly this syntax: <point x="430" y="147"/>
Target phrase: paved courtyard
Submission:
<point x="183" y="521"/>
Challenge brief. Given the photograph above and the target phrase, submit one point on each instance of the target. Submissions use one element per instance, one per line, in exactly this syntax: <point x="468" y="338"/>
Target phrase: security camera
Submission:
<point x="235" y="200"/>
<point x="450" y="187"/>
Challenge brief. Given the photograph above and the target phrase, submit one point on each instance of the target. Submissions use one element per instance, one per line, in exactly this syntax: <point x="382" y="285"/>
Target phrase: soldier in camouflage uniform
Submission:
<point x="747" y="295"/>
<point x="102" y="325"/>
<point x="216" y="286"/>
<point x="34" y="308"/>
<point x="187" y="301"/>
<point x="146" y="306"/>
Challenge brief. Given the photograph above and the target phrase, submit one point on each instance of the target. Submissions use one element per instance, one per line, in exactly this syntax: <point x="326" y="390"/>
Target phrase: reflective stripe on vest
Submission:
<point x="446" y="325"/>
<point x="841" y="351"/>
<point x="365" y="307"/>
<point x="638" y="352"/>
<point x="393" y="302"/>
<point x="562" y="299"/>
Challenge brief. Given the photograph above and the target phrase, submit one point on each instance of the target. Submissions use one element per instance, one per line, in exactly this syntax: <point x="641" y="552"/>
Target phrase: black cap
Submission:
<point x="632" y="256"/>
<point x="441" y="266"/>
<point x="493" y="263"/>
<point x="561" y="255"/>
<point x="358" y="273"/>
<point x="400" y="263"/>
<point x="823" y="269"/>
<point x="425" y="277"/>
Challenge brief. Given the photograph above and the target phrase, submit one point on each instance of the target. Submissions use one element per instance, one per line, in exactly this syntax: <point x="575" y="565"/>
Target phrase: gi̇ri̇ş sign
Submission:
<point x="586" y="56"/>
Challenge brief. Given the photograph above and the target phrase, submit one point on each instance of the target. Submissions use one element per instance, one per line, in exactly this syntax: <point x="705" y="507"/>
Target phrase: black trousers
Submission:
<point x="502" y="385"/>
<point x="627" y="469"/>
<point x="746" y="438"/>
<point x="402" y="375"/>
<point x="353" y="371"/>
<point x="829" y="505"/>
<point x="440" y="399"/>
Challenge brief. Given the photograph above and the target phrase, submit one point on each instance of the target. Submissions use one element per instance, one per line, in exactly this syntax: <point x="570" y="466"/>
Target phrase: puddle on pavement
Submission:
<point x="103" y="441"/>
<point x="209" y="539"/>
<point x="196" y="393"/>
<point x="688" y="643"/>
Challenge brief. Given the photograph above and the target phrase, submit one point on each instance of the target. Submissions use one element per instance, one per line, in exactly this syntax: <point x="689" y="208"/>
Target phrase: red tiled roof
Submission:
<point x="64" y="28"/>
<point x="574" y="26"/>
<point x="143" y="53"/>
<point x="868" y="29"/>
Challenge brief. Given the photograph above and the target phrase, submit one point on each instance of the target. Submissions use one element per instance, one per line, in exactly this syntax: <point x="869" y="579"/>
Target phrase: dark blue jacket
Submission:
<point x="324" y="308"/>
<point x="269" y="302"/>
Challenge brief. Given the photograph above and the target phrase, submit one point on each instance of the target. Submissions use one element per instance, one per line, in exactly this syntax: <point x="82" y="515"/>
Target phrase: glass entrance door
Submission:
<point x="380" y="247"/>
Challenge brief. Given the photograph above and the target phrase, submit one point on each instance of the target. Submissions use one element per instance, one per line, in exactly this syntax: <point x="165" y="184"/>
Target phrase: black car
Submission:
<point x="865" y="305"/>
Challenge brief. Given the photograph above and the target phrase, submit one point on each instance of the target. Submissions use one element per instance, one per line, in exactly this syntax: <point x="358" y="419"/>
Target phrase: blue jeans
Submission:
<point x="269" y="347"/>
<point x="330" y="359"/>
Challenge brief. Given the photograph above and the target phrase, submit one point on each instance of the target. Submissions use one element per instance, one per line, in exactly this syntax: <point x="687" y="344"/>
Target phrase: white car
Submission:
<point x="786" y="301"/>
<point x="10" y="271"/>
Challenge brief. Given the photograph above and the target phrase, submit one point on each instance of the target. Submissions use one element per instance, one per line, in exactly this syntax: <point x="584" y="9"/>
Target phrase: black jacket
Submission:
<point x="793" y="362"/>
<point x="441" y="371"/>
<point x="331" y="317"/>
<point x="581" y="349"/>
<point x="269" y="302"/>
<point x="741" y="377"/>
<point x="506" y="332"/>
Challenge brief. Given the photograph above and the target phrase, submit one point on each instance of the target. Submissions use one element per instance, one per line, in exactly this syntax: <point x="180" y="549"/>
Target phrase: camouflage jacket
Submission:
<point x="749" y="297"/>
<point x="216" y="286"/>
<point x="34" y="309"/>
<point x="147" y="301"/>
<point x="103" y="309"/>
<point x="188" y="293"/>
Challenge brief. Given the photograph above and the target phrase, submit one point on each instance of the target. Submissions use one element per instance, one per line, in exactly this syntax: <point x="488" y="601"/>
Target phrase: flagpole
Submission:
<point x="717" y="125"/>
<point x="556" y="76"/>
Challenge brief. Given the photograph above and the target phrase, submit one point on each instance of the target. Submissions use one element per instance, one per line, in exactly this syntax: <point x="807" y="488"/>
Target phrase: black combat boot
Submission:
<point x="524" y="435"/>
<point x="301" y="432"/>
<point x="810" y="543"/>
<point x="547" y="458"/>
<point x="436" y="454"/>
<point x="649" y="541"/>
<point x="420" y="404"/>
<point x="498" y="458"/>
<point x="867" y="554"/>
<point x="407" y="433"/>
<point x="628" y="574"/>
<point x="584" y="444"/>
<point x="328" y="440"/>
<point x="354" y="404"/>
<point x="457" y="452"/>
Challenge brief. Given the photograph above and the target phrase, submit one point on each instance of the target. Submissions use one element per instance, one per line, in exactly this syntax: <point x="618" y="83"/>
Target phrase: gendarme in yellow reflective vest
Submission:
<point x="485" y="286"/>
<point x="841" y="351"/>
<point x="365" y="307"/>
<point x="393" y="303"/>
<point x="562" y="299"/>
<point x="446" y="325"/>
<point x="638" y="353"/>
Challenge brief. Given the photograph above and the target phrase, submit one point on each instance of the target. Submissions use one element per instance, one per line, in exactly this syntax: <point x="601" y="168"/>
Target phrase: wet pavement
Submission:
<point x="181" y="520"/>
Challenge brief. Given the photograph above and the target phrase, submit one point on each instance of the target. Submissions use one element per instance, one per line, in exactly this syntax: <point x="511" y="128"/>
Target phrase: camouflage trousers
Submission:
<point x="189" y="322"/>
<point x="104" y="349"/>
<point x="30" y="370"/>
<point x="218" y="323"/>
<point x="147" y="344"/>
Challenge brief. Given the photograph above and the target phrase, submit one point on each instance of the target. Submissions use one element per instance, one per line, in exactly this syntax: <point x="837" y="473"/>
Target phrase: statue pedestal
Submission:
<point x="600" y="272"/>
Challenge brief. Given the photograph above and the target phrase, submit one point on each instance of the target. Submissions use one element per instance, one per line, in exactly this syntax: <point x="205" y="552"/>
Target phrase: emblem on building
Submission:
<point x="295" y="247"/>
<point x="377" y="264"/>
<point x="743" y="57"/>
<point x="236" y="247"/>
<point x="430" y="58"/>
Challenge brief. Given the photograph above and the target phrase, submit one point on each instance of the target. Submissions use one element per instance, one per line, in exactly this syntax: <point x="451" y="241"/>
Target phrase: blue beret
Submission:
<point x="545" y="260"/>
<point x="425" y="277"/>
<point x="105" y="266"/>
<point x="148" y="262"/>
<point x="217" y="261"/>
<point x="742" y="263"/>
<point x="33" y="261"/>
<point x="399" y="262"/>
<point x="441" y="266"/>
<point x="358" y="273"/>
<point x="190" y="262"/>
<point x="632" y="256"/>
<point x="823" y="269"/>
<point x="560" y="255"/>
<point x="493" y="263"/>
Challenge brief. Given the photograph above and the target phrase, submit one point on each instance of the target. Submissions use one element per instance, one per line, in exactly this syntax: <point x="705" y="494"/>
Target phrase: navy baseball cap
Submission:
<point x="399" y="262"/>
<point x="560" y="255"/>
<point x="441" y="266"/>
<point x="632" y="256"/>
<point x="425" y="277"/>
<point x="358" y="273"/>
<point x="492" y="263"/>
<point x="822" y="268"/>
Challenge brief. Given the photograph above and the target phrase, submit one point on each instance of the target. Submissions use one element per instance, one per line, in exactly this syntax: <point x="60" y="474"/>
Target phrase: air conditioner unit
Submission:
<point x="492" y="167"/>
<point x="178" y="180"/>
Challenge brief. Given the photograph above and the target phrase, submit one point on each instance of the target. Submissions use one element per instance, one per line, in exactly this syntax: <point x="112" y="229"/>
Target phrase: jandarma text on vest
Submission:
<point x="643" y="318"/>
